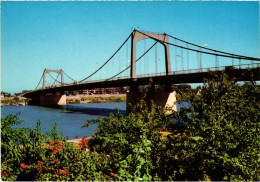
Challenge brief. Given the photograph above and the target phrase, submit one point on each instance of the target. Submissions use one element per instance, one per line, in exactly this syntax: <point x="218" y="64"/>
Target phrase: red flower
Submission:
<point x="112" y="173"/>
<point x="57" y="145"/>
<point x="56" y="161"/>
<point x="55" y="151"/>
<point x="22" y="165"/>
<point x="74" y="159"/>
<point x="61" y="171"/>
<point x="4" y="173"/>
<point x="84" y="140"/>
<point x="39" y="169"/>
<point x="40" y="163"/>
<point x="51" y="148"/>
<point x="67" y="172"/>
<point x="60" y="148"/>
<point x="57" y="141"/>
<point x="50" y="143"/>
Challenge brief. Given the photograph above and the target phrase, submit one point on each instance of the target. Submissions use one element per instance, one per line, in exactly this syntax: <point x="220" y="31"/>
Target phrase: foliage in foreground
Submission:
<point x="217" y="139"/>
<point x="223" y="139"/>
<point x="27" y="154"/>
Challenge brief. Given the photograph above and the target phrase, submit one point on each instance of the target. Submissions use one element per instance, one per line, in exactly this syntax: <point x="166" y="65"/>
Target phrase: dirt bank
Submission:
<point x="97" y="98"/>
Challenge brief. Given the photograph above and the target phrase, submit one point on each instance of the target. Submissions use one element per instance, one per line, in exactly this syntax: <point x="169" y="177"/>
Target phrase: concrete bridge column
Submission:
<point x="162" y="98"/>
<point x="46" y="100"/>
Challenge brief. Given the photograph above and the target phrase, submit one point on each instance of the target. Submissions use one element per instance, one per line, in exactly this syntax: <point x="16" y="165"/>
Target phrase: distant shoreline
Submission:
<point x="14" y="101"/>
<point x="71" y="99"/>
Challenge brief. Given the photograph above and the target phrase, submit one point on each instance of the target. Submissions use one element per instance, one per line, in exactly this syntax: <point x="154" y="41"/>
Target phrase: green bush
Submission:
<point x="222" y="141"/>
<point x="131" y="141"/>
<point x="216" y="139"/>
<point x="28" y="155"/>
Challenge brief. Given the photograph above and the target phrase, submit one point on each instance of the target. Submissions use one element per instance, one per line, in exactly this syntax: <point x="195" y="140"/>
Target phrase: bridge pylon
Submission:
<point x="137" y="36"/>
<point x="46" y="71"/>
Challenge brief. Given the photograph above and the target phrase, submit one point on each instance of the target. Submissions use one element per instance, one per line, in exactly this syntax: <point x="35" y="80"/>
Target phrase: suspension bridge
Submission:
<point x="165" y="59"/>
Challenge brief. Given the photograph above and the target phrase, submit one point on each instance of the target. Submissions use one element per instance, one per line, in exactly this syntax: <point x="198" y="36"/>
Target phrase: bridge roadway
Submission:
<point x="182" y="78"/>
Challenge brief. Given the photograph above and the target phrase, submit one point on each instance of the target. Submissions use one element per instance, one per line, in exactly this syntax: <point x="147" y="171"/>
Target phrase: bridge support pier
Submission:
<point x="162" y="98"/>
<point x="48" y="100"/>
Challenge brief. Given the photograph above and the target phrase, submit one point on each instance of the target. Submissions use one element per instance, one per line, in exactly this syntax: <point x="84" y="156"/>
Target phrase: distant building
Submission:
<point x="114" y="90"/>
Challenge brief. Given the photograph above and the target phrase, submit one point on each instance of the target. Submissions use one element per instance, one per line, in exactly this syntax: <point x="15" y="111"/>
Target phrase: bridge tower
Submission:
<point x="165" y="98"/>
<point x="137" y="36"/>
<point x="46" y="71"/>
<point x="56" y="98"/>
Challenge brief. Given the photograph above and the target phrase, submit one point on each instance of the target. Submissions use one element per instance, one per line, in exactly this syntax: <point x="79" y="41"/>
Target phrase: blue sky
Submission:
<point x="80" y="36"/>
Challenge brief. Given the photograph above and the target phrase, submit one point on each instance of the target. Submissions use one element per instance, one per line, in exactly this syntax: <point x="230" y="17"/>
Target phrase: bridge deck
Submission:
<point x="240" y="74"/>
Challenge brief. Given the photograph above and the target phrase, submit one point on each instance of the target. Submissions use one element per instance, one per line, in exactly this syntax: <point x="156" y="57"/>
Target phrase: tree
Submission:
<point x="6" y="94"/>
<point x="222" y="141"/>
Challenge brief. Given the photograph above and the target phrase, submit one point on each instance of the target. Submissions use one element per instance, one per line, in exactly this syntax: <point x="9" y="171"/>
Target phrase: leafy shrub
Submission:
<point x="222" y="141"/>
<point x="28" y="155"/>
<point x="131" y="141"/>
<point x="216" y="139"/>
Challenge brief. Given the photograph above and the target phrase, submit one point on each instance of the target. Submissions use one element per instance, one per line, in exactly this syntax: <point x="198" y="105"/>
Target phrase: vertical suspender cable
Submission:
<point x="156" y="58"/>
<point x="216" y="62"/>
<point x="176" y="63"/>
<point x="187" y="57"/>
<point x="119" y="64"/>
<point x="145" y="59"/>
<point x="126" y="56"/>
<point x="111" y="68"/>
<point x="200" y="59"/>
<point x="107" y="60"/>
<point x="182" y="62"/>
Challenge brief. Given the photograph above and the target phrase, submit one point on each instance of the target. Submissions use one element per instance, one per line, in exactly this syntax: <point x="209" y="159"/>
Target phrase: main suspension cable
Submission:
<point x="39" y="81"/>
<point x="236" y="55"/>
<point x="55" y="79"/>
<point x="106" y="61"/>
<point x="69" y="77"/>
<point x="135" y="61"/>
<point x="245" y="58"/>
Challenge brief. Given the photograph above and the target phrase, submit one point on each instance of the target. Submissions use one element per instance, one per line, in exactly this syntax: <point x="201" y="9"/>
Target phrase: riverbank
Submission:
<point x="14" y="101"/>
<point x="97" y="98"/>
<point x="71" y="99"/>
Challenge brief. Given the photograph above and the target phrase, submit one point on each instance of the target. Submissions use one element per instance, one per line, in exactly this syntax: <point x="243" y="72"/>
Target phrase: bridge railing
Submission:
<point x="220" y="68"/>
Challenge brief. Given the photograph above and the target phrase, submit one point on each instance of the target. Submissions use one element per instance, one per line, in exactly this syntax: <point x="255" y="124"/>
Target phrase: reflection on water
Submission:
<point x="89" y="109"/>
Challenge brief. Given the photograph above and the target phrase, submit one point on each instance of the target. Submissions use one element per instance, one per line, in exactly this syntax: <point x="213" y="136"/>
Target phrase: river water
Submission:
<point x="69" y="118"/>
